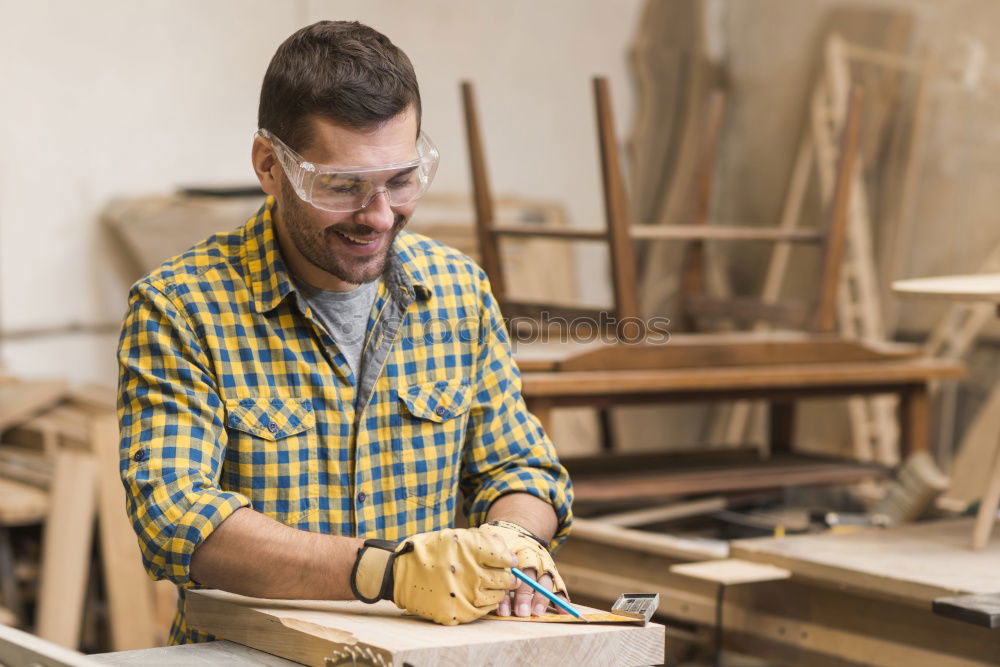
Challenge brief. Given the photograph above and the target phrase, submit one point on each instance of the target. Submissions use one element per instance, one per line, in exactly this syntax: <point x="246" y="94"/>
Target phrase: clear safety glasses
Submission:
<point x="346" y="189"/>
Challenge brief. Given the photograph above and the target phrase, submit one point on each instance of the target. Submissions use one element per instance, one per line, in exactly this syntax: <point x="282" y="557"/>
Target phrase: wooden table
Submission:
<point x="861" y="598"/>
<point x="781" y="384"/>
<point x="976" y="287"/>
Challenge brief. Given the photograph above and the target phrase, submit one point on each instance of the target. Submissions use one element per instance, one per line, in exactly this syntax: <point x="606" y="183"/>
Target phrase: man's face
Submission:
<point x="350" y="248"/>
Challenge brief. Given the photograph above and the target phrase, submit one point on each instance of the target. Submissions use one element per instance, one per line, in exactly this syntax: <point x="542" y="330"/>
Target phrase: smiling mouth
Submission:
<point x="357" y="240"/>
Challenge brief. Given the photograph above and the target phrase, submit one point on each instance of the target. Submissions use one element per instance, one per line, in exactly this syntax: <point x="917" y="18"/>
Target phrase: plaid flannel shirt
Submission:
<point x="232" y="394"/>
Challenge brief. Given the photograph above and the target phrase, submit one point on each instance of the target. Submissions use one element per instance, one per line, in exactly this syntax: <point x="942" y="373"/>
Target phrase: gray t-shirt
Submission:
<point x="345" y="316"/>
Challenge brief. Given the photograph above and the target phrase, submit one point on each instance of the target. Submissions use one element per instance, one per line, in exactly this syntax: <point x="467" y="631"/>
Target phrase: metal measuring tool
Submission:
<point x="640" y="606"/>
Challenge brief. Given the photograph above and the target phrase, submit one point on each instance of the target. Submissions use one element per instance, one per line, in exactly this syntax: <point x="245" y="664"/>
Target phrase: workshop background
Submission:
<point x="110" y="107"/>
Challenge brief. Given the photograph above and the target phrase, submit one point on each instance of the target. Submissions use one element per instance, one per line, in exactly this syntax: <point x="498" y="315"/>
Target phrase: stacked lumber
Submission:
<point x="59" y="472"/>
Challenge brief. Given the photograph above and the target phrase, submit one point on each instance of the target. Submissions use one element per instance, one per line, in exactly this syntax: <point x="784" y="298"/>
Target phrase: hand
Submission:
<point x="533" y="559"/>
<point x="448" y="576"/>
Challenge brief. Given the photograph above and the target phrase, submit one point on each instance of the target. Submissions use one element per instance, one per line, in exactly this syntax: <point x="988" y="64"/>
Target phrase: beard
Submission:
<point x="318" y="245"/>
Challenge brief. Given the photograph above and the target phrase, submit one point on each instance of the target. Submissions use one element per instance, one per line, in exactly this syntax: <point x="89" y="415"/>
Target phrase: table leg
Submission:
<point x="988" y="505"/>
<point x="914" y="420"/>
<point x="782" y="426"/>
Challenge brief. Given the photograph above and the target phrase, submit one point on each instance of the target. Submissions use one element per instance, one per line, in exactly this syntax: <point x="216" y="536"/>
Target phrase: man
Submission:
<point x="319" y="376"/>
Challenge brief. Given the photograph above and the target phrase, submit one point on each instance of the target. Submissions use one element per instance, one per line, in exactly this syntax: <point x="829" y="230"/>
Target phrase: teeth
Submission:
<point x="355" y="239"/>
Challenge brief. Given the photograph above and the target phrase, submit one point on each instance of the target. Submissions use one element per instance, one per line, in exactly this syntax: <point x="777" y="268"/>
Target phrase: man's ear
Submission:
<point x="266" y="165"/>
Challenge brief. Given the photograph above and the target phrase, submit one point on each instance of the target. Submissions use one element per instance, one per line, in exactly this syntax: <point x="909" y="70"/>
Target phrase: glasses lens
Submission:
<point x="352" y="191"/>
<point x="340" y="192"/>
<point x="348" y="191"/>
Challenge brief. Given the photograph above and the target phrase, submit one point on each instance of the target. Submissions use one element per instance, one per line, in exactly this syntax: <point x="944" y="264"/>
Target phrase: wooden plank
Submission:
<point x="780" y="473"/>
<point x="313" y="632"/>
<point x="973" y="287"/>
<point x="731" y="571"/>
<point x="719" y="232"/>
<point x="623" y="278"/>
<point x="915" y="563"/>
<point x="485" y="219"/>
<point x="534" y="231"/>
<point x="25" y="465"/>
<point x="988" y="504"/>
<point x="981" y="610"/>
<point x="128" y="588"/>
<point x="706" y="350"/>
<point x="836" y="224"/>
<point x="20" y="401"/>
<point x="202" y="654"/>
<point x="658" y="544"/>
<point x="20" y="648"/>
<point x="66" y="543"/>
<point x="21" y="504"/>
<point x="671" y="512"/>
<point x="969" y="477"/>
<point x="849" y="375"/>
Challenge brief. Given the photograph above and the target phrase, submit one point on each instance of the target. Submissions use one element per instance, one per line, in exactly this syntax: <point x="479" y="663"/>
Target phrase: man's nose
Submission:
<point x="377" y="214"/>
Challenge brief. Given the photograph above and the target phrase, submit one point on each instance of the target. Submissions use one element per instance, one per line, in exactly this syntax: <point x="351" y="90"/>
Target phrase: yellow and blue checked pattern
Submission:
<point x="232" y="394"/>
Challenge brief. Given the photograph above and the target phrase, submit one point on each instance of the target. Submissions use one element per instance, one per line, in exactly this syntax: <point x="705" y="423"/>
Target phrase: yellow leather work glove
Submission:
<point x="449" y="576"/>
<point x="531" y="551"/>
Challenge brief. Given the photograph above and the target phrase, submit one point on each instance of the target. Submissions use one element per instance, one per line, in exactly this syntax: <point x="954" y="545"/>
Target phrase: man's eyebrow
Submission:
<point x="406" y="171"/>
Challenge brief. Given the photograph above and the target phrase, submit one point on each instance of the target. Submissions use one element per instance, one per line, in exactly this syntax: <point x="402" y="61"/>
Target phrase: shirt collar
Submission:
<point x="270" y="282"/>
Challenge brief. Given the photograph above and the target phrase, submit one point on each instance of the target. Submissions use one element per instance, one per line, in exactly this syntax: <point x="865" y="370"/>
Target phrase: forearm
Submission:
<point x="252" y="554"/>
<point x="527" y="511"/>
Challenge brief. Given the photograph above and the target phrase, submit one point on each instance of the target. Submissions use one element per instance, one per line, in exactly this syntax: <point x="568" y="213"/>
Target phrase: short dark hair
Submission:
<point x="341" y="70"/>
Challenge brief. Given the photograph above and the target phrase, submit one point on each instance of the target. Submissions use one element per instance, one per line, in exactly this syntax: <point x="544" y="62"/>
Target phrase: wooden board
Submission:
<point x="981" y="610"/>
<point x="21" y="503"/>
<point x="780" y="472"/>
<point x="22" y="400"/>
<point x="731" y="571"/>
<point x="311" y="632"/>
<point x="201" y="654"/>
<point x="974" y="287"/>
<point x="21" y="648"/>
<point x="749" y="349"/>
<point x="590" y="383"/>
<point x="66" y="548"/>
<point x="127" y="586"/>
<point x="914" y="563"/>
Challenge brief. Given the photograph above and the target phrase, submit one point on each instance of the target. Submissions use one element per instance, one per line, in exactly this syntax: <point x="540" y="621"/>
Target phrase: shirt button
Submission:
<point x="272" y="427"/>
<point x="361" y="498"/>
<point x="139" y="455"/>
<point x="440" y="412"/>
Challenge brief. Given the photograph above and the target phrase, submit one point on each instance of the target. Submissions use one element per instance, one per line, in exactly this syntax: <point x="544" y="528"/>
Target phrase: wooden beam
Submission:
<point x="837" y="220"/>
<point x="616" y="208"/>
<point x="129" y="591"/>
<point x="775" y="474"/>
<point x="810" y="378"/>
<point x="22" y="648"/>
<point x="20" y="401"/>
<point x="66" y="544"/>
<point x="489" y="252"/>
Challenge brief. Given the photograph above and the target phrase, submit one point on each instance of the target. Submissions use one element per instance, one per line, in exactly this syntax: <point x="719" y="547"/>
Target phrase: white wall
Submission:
<point x="107" y="98"/>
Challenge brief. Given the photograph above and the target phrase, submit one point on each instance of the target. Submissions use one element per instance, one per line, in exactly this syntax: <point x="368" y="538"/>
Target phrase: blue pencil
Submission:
<point x="556" y="600"/>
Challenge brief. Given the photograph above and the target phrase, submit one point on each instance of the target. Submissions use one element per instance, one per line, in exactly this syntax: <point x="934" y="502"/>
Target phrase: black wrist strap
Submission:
<point x="520" y="529"/>
<point x="388" y="580"/>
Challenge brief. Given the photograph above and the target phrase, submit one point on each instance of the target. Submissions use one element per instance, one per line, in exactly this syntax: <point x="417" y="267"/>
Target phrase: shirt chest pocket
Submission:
<point x="430" y="438"/>
<point x="273" y="455"/>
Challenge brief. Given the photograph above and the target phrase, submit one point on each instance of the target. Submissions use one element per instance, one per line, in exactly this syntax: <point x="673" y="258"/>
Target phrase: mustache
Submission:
<point x="362" y="231"/>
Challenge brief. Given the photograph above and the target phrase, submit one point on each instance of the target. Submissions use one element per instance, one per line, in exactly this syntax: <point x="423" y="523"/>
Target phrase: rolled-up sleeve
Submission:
<point x="506" y="450"/>
<point x="172" y="435"/>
